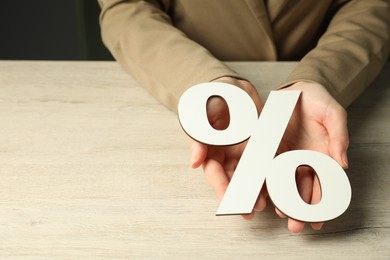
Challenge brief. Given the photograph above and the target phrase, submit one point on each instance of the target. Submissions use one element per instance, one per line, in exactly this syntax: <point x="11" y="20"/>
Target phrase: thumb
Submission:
<point x="336" y="125"/>
<point x="198" y="152"/>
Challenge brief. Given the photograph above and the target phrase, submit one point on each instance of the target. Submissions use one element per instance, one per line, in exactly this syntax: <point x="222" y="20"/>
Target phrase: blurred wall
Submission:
<point x="51" y="30"/>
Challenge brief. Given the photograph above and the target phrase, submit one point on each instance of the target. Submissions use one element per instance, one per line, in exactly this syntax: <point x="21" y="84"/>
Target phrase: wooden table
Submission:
<point x="91" y="166"/>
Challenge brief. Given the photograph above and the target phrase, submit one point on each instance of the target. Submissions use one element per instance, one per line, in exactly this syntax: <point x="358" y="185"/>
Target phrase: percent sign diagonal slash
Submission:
<point x="258" y="162"/>
<point x="255" y="162"/>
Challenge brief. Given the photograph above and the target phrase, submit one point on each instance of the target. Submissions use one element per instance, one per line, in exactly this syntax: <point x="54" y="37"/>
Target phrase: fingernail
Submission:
<point x="258" y="209"/>
<point x="195" y="163"/>
<point x="318" y="226"/>
<point x="345" y="161"/>
<point x="192" y="161"/>
<point x="260" y="205"/>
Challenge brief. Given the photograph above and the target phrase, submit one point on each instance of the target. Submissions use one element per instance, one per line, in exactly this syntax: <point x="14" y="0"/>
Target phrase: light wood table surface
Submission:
<point x="92" y="167"/>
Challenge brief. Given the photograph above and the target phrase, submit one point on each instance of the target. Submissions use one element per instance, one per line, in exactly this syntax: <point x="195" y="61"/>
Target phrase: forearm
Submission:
<point x="142" y="39"/>
<point x="351" y="53"/>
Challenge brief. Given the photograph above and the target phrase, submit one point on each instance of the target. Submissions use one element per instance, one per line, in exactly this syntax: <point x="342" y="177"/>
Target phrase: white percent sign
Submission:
<point x="258" y="162"/>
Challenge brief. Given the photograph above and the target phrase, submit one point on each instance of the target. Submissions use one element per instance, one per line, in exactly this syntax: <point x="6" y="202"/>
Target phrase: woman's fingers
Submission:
<point x="316" y="198"/>
<point x="198" y="153"/>
<point x="216" y="176"/>
<point x="261" y="202"/>
<point x="304" y="180"/>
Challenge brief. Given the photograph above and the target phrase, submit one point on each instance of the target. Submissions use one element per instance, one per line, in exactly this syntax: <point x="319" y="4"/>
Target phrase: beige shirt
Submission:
<point x="170" y="45"/>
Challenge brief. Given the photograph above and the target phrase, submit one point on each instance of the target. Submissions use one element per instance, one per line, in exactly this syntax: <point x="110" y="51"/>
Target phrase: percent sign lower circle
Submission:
<point x="258" y="162"/>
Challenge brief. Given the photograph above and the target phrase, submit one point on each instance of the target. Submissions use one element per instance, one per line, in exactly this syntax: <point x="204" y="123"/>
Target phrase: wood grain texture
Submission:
<point x="93" y="167"/>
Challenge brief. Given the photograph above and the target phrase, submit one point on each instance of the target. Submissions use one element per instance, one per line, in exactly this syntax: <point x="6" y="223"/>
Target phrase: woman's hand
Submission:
<point x="318" y="123"/>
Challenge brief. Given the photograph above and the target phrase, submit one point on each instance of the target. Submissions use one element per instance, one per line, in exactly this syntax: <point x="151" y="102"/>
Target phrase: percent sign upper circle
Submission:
<point x="243" y="115"/>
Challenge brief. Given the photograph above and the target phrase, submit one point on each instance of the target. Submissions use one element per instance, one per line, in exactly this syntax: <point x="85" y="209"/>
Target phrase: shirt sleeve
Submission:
<point x="351" y="52"/>
<point x="141" y="37"/>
